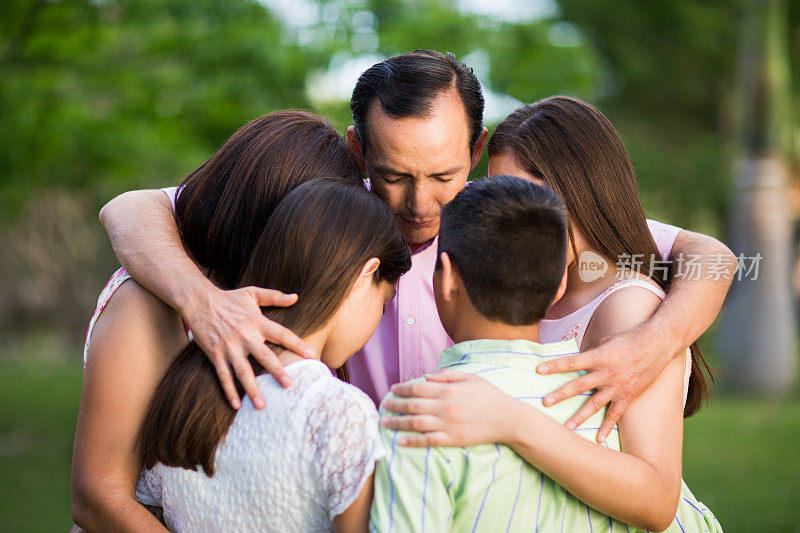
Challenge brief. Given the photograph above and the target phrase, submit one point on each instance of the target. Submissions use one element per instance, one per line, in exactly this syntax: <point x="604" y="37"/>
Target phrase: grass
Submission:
<point x="741" y="455"/>
<point x="38" y="410"/>
<point x="741" y="459"/>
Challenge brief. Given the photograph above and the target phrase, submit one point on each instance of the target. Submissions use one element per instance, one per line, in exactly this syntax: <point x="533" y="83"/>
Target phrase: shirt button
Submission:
<point x="410" y="321"/>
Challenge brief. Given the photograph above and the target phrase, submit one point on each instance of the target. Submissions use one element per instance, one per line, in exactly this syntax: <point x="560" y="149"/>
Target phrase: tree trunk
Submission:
<point x="757" y="332"/>
<point x="756" y="337"/>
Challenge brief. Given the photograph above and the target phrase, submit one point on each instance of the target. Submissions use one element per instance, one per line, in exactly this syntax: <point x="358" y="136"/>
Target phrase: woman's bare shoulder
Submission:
<point x="135" y="316"/>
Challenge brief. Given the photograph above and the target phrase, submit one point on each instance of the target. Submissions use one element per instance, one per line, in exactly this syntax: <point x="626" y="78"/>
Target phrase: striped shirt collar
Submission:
<point x="517" y="353"/>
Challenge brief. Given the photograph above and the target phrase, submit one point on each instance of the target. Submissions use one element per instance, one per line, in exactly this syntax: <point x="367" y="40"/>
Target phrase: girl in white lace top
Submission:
<point x="305" y="461"/>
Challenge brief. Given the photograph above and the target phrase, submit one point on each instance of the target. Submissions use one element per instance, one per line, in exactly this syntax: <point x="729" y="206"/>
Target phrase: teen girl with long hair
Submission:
<point x="304" y="462"/>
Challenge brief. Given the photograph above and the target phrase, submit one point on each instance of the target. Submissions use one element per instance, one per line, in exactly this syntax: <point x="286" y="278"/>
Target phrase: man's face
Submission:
<point x="418" y="164"/>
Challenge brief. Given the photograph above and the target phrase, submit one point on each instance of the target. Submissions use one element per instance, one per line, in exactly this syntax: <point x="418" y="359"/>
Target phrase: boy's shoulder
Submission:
<point x="381" y="410"/>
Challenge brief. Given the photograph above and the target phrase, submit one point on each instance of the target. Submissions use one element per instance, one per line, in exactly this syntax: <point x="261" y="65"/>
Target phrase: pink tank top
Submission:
<point x="573" y="326"/>
<point x="118" y="278"/>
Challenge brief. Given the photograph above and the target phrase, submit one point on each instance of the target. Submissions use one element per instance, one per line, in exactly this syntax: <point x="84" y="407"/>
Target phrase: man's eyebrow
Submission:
<point x="448" y="172"/>
<point x="383" y="169"/>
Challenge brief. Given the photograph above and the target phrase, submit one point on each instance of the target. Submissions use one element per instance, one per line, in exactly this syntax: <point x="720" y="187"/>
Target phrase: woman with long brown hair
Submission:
<point x="304" y="462"/>
<point x="222" y="208"/>
<point x="572" y="147"/>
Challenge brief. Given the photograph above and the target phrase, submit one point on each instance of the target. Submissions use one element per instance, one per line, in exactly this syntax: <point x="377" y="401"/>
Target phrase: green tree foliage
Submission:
<point x="671" y="82"/>
<point x="112" y="95"/>
<point x="105" y="95"/>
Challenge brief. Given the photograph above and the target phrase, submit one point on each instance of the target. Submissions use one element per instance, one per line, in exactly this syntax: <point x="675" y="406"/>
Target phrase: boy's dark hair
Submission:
<point x="406" y="85"/>
<point x="508" y="239"/>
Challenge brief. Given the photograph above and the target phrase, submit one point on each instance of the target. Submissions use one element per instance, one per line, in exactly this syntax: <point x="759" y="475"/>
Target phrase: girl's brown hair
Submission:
<point x="224" y="204"/>
<point x="315" y="244"/>
<point x="574" y="148"/>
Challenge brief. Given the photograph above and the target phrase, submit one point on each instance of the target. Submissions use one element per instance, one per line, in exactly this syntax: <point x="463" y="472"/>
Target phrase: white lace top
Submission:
<point x="292" y="466"/>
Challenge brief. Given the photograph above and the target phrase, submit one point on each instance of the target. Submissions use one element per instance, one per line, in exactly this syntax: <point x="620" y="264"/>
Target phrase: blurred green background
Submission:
<point x="98" y="97"/>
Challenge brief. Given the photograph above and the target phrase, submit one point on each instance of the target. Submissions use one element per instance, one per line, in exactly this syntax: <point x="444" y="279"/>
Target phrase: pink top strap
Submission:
<point x="573" y="325"/>
<point x="118" y="278"/>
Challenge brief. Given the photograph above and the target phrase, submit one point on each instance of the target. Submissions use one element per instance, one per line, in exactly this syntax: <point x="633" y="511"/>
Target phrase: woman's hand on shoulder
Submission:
<point x="450" y="408"/>
<point x="621" y="362"/>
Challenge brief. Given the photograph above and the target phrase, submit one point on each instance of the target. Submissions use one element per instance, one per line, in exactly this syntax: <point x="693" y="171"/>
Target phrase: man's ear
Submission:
<point x="450" y="277"/>
<point x="477" y="150"/>
<point x="562" y="287"/>
<point x="354" y="144"/>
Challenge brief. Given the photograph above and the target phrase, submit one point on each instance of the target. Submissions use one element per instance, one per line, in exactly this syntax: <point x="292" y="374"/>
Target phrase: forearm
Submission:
<point x="696" y="294"/>
<point x="618" y="484"/>
<point x="112" y="510"/>
<point x="145" y="239"/>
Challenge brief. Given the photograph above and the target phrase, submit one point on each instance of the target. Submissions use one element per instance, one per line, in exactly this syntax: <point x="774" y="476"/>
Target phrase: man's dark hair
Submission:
<point x="508" y="239"/>
<point x="407" y="84"/>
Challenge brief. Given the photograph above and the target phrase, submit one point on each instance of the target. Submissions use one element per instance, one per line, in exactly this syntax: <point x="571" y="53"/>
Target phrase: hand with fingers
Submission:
<point x="618" y="369"/>
<point x="229" y="326"/>
<point x="449" y="408"/>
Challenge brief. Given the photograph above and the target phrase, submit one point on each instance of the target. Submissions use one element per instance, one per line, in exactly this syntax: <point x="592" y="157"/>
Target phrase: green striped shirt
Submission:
<point x="489" y="487"/>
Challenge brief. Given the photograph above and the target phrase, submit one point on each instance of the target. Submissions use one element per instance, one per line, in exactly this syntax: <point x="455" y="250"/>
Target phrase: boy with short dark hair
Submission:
<point x="502" y="262"/>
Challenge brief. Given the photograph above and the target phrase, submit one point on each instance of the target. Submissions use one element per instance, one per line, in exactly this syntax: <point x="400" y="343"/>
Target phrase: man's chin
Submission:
<point x="418" y="237"/>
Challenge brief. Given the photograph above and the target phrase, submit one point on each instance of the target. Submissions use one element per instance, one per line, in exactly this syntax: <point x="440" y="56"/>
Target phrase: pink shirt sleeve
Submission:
<point x="664" y="235"/>
<point x="172" y="193"/>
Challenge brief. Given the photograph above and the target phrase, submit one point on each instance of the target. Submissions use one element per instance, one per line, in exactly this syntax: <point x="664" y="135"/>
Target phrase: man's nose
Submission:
<point x="420" y="198"/>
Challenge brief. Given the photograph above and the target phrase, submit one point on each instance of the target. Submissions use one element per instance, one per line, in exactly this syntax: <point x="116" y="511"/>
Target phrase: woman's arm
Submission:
<point x="641" y="484"/>
<point x="132" y="345"/>
<point x="227" y="325"/>
<point x="623" y="366"/>
<point x="356" y="517"/>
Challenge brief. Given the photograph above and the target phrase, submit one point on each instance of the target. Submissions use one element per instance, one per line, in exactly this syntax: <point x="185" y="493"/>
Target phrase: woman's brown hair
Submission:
<point x="224" y="204"/>
<point x="315" y="244"/>
<point x="574" y="148"/>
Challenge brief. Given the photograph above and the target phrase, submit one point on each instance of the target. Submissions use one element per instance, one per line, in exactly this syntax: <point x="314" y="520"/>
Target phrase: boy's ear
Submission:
<point x="450" y="277"/>
<point x="354" y="143"/>
<point x="562" y="287"/>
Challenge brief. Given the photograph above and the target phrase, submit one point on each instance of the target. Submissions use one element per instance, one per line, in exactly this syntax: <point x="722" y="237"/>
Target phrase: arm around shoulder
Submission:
<point x="703" y="269"/>
<point x="639" y="485"/>
<point x="144" y="235"/>
<point x="652" y="427"/>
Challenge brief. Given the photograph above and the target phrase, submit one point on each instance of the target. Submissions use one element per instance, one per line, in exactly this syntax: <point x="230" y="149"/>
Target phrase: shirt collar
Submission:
<point x="518" y="353"/>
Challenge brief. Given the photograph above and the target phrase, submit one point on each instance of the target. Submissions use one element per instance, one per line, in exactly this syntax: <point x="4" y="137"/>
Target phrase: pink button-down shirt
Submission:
<point x="410" y="336"/>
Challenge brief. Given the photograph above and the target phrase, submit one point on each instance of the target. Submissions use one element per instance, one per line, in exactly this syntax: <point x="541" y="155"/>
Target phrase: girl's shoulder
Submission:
<point x="630" y="284"/>
<point x="315" y="389"/>
<point x="342" y="397"/>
